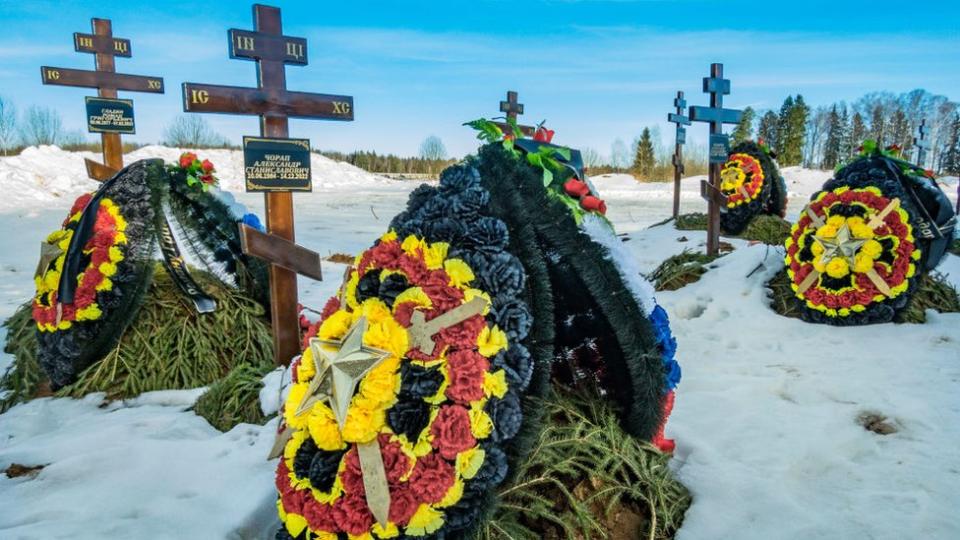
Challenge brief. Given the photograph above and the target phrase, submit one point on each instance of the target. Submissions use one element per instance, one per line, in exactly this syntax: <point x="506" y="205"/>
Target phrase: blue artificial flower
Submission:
<point x="667" y="344"/>
<point x="251" y="220"/>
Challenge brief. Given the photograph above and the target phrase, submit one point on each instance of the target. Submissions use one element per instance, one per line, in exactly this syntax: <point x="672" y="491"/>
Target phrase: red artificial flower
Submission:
<point x="432" y="477"/>
<point x="79" y="205"/>
<point x="576" y="188"/>
<point x="352" y="514"/>
<point x="207" y="166"/>
<point x="508" y="137"/>
<point x="187" y="159"/>
<point x="207" y="179"/>
<point x="403" y="505"/>
<point x="331" y="307"/>
<point x="463" y="335"/>
<point x="665" y="445"/>
<point x="466" y="368"/>
<point x="444" y="297"/>
<point x="929" y="173"/>
<point x="593" y="204"/>
<point x="319" y="516"/>
<point x="451" y="431"/>
<point x="543" y="135"/>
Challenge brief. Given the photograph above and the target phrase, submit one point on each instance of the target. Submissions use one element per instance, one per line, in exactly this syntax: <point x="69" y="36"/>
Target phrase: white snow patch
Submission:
<point x="600" y="232"/>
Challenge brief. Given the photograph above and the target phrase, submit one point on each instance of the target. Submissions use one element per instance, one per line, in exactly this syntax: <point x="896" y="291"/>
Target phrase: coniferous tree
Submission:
<point x="744" y="130"/>
<point x="846" y="141"/>
<point x="950" y="163"/>
<point x="831" y="150"/>
<point x="858" y="132"/>
<point x="644" y="160"/>
<point x="767" y="130"/>
<point x="900" y="131"/>
<point x="783" y="129"/>
<point x="877" y="126"/>
<point x="792" y="131"/>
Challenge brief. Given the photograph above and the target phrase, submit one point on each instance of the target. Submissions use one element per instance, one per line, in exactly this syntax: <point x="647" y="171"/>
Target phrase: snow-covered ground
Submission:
<point x="765" y="419"/>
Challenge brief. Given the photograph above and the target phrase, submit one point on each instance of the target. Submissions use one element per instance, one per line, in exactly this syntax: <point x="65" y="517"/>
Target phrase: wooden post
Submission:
<point x="716" y="116"/>
<point x="921" y="143"/>
<point x="274" y="104"/>
<point x="107" y="81"/>
<point x="512" y="108"/>
<point x="680" y="120"/>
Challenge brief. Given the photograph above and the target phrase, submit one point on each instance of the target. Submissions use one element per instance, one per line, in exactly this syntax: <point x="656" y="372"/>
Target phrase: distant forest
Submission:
<point x="822" y="137"/>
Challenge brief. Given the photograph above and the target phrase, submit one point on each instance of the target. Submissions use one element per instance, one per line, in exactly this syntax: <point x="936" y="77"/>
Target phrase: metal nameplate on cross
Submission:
<point x="272" y="51"/>
<point x="680" y="120"/>
<point x="512" y="108"/>
<point x="105" y="47"/>
<point x="715" y="115"/>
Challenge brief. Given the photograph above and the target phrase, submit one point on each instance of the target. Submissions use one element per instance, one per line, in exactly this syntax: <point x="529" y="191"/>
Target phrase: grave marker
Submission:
<point x="716" y="116"/>
<point x="274" y="104"/>
<point x="921" y="143"/>
<point x="511" y="107"/>
<point x="680" y="120"/>
<point x="106" y="114"/>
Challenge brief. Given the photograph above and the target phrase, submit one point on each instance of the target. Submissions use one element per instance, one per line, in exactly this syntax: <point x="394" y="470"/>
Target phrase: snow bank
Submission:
<point x="47" y="175"/>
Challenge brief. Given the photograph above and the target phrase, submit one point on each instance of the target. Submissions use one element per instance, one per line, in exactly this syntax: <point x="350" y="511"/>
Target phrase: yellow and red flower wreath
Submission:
<point x="741" y="179"/>
<point x="103" y="251"/>
<point x="427" y="465"/>
<point x="885" y="258"/>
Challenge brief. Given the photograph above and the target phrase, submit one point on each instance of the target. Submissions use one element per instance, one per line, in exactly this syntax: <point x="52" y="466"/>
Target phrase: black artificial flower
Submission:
<point x="409" y="417"/>
<point x="459" y="178"/>
<point x="487" y="234"/>
<point x="418" y="382"/>
<point x="498" y="274"/>
<point x="369" y="285"/>
<point x="506" y="415"/>
<point x="513" y="317"/>
<point x="323" y="468"/>
<point x="391" y="287"/>
<point x="518" y="365"/>
<point x="303" y="458"/>
<point x="467" y="204"/>
<point x="448" y="230"/>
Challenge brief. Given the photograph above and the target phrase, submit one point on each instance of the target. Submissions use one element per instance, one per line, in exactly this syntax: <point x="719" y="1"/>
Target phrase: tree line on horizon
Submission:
<point x="822" y="137"/>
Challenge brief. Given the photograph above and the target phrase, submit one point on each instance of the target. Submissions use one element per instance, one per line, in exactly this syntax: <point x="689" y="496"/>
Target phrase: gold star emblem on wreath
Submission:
<point x="844" y="246"/>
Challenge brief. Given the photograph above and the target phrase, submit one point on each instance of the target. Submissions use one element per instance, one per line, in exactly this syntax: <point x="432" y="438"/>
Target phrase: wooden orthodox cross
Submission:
<point x="680" y="120"/>
<point x="921" y="143"/>
<point x="719" y="147"/>
<point x="105" y="47"/>
<point x="274" y="104"/>
<point x="511" y="107"/>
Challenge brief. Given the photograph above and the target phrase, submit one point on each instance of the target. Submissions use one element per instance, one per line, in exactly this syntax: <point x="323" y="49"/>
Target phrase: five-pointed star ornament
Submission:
<point x="340" y="366"/>
<point x="844" y="246"/>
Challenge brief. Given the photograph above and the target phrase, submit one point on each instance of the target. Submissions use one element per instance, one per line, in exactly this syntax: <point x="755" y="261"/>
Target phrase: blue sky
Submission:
<point x="595" y="70"/>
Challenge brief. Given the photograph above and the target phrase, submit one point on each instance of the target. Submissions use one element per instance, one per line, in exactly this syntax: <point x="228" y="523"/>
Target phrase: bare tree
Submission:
<point x="41" y="125"/>
<point x="432" y="148"/>
<point x="619" y="155"/>
<point x="191" y="131"/>
<point x="591" y="158"/>
<point x="8" y="124"/>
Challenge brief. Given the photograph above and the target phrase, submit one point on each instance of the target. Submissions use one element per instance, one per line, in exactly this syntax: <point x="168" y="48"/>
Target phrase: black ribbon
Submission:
<point x="177" y="268"/>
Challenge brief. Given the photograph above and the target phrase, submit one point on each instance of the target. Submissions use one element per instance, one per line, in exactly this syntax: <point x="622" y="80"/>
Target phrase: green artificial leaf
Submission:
<point x="508" y="146"/>
<point x="488" y="131"/>
<point x="192" y="180"/>
<point x="547" y="177"/>
<point x="562" y="152"/>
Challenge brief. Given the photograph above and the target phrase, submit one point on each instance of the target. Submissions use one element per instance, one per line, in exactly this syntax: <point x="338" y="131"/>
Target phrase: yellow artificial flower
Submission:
<point x="414" y="295"/>
<point x="412" y="244"/>
<point x="306" y="369"/>
<point x="365" y="419"/>
<point x="816" y="249"/>
<point x="391" y="531"/>
<point x="425" y="521"/>
<point x="105" y="285"/>
<point x="837" y="268"/>
<point x="389" y="236"/>
<point x="495" y="383"/>
<point x="108" y="269"/>
<point x="454" y="494"/>
<point x="89" y="313"/>
<point x="470" y="294"/>
<point x="480" y="423"/>
<point x="861" y="231"/>
<point x="382" y="383"/>
<point x="864" y="263"/>
<point x="335" y="326"/>
<point x="871" y="248"/>
<point x="115" y="254"/>
<point x="435" y="254"/>
<point x="294" y="399"/>
<point x="295" y="524"/>
<point x="323" y="428"/>
<point x="469" y="462"/>
<point x="827" y="231"/>
<point x="835" y="221"/>
<point x="491" y="341"/>
<point x="459" y="271"/>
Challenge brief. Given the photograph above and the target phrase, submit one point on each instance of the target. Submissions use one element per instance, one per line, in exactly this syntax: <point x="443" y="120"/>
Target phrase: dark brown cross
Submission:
<point x="680" y="120"/>
<point x="274" y="104"/>
<point x="921" y="143"/>
<point x="716" y="116"/>
<point x="105" y="47"/>
<point x="512" y="107"/>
